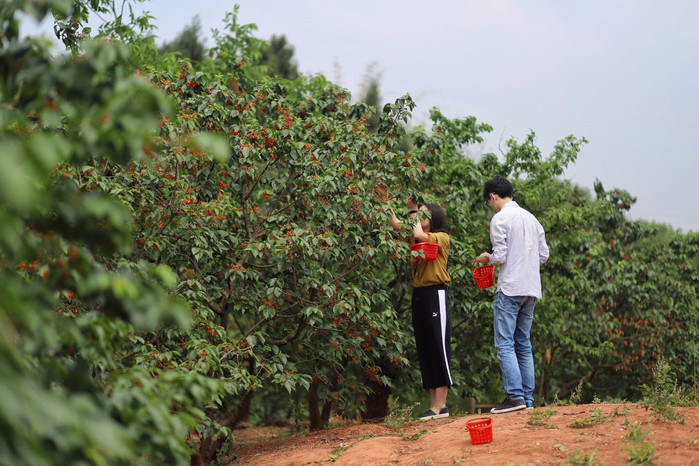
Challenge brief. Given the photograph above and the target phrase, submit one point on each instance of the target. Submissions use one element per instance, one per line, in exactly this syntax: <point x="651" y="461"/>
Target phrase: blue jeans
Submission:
<point x="512" y="321"/>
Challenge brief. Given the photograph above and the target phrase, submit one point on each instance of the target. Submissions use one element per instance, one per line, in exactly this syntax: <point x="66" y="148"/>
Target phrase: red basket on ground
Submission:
<point x="480" y="430"/>
<point x="484" y="275"/>
<point x="429" y="249"/>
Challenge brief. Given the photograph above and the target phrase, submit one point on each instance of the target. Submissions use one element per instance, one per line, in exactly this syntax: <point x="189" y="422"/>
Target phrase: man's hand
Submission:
<point x="484" y="258"/>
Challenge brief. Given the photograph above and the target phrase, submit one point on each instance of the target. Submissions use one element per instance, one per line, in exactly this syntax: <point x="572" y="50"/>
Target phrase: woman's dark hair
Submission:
<point x="438" y="222"/>
<point x="497" y="185"/>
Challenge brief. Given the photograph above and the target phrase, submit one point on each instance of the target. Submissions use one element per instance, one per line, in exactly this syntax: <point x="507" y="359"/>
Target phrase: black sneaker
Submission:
<point x="509" y="405"/>
<point x="429" y="414"/>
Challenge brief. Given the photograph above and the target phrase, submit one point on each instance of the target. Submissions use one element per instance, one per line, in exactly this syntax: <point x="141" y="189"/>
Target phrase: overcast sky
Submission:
<point x="623" y="74"/>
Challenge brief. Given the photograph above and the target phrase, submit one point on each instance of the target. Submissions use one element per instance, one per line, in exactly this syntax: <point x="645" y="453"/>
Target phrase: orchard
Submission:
<point x="186" y="246"/>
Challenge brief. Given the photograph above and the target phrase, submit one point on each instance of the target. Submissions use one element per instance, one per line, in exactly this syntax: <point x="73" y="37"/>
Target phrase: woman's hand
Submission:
<point x="383" y="197"/>
<point x="383" y="192"/>
<point x="410" y="203"/>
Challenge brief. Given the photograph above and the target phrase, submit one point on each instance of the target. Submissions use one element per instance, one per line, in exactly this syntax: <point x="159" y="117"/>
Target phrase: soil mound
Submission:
<point x="604" y="434"/>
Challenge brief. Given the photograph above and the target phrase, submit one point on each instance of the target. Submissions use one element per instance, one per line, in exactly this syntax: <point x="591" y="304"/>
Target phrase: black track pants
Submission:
<point x="432" y="328"/>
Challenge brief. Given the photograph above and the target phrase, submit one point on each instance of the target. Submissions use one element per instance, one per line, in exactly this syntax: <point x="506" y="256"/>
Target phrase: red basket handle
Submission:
<point x="473" y="265"/>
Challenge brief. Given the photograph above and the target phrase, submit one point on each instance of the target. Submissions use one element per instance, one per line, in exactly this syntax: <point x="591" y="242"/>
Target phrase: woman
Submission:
<point x="430" y="311"/>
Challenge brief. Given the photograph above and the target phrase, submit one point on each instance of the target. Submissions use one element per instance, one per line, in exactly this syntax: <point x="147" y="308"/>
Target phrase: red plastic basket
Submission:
<point x="480" y="430"/>
<point x="484" y="275"/>
<point x="429" y="249"/>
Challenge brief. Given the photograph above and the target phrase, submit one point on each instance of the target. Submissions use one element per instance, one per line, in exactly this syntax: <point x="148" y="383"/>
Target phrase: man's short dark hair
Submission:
<point x="498" y="185"/>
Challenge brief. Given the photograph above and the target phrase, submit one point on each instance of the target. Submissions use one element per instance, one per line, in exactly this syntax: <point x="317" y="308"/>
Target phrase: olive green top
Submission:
<point x="426" y="273"/>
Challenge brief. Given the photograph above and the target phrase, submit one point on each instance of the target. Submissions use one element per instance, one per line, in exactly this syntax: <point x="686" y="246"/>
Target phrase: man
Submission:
<point x="519" y="246"/>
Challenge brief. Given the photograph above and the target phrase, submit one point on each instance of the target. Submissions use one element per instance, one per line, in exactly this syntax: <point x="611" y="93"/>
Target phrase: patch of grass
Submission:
<point x="415" y="436"/>
<point x="582" y="458"/>
<point x="542" y="418"/>
<point x="465" y="454"/>
<point x="664" y="394"/>
<point x="595" y="417"/>
<point x="337" y="451"/>
<point x="367" y="436"/>
<point x="574" y="398"/>
<point x="399" y="414"/>
<point x="635" y="433"/>
<point x="340" y="448"/>
<point x="640" y="452"/>
<point x="619" y="411"/>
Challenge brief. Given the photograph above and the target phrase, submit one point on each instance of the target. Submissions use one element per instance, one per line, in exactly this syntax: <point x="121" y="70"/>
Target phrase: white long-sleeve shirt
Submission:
<point x="519" y="245"/>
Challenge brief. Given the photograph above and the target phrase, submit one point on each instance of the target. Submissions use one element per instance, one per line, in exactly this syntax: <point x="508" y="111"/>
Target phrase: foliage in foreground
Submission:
<point x="72" y="308"/>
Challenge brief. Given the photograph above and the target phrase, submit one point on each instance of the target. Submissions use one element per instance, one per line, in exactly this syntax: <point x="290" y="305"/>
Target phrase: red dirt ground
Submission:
<point x="515" y="441"/>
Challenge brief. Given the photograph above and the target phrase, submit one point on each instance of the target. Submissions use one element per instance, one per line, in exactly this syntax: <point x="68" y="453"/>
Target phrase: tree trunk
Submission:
<point x="313" y="411"/>
<point x="209" y="447"/>
<point x="325" y="415"/>
<point x="376" y="401"/>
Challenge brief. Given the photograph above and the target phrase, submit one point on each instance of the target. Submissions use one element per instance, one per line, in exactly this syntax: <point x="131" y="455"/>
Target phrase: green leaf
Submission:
<point x="216" y="147"/>
<point x="17" y="187"/>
